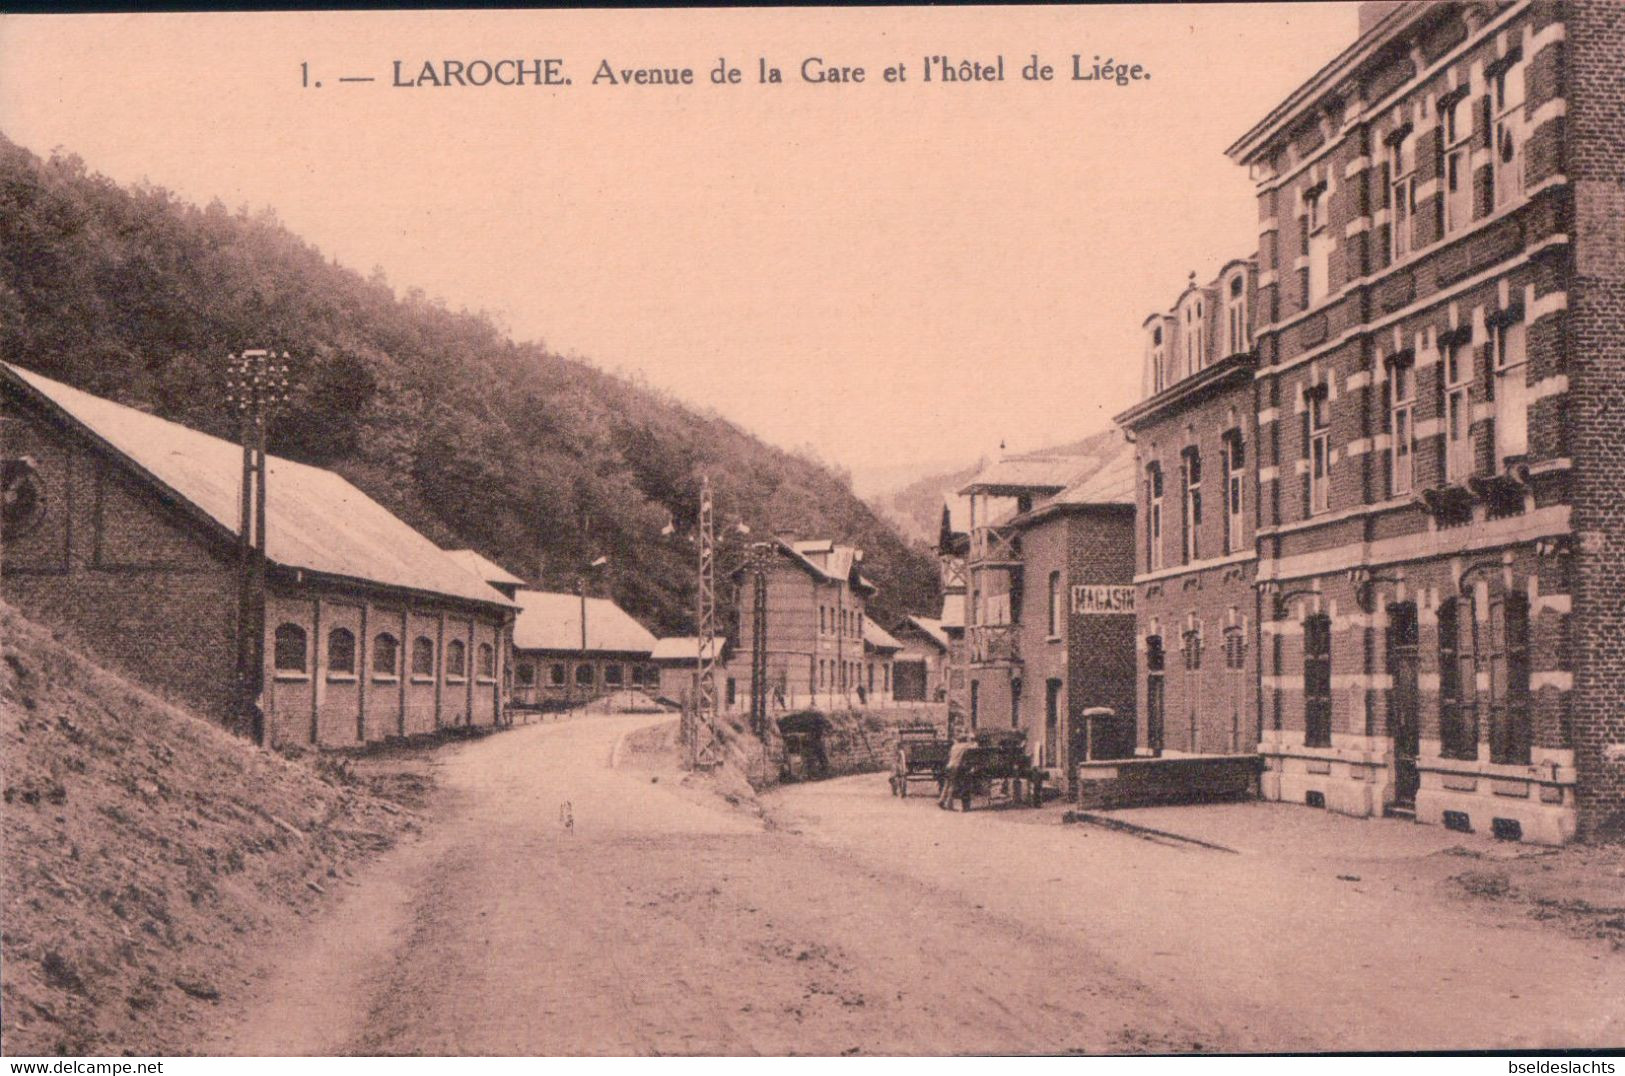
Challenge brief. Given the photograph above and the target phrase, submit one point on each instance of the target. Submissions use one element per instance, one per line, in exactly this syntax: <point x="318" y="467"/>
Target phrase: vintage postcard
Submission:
<point x="893" y="531"/>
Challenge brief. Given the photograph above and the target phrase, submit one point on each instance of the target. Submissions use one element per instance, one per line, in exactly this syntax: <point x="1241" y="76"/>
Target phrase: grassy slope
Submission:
<point x="149" y="857"/>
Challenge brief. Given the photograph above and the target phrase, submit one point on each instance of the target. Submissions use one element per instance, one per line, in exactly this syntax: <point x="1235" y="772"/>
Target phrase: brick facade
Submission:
<point x="1441" y="299"/>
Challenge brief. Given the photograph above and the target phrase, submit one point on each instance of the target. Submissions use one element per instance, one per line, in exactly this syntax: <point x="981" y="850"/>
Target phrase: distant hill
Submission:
<point x="538" y="461"/>
<point x="916" y="509"/>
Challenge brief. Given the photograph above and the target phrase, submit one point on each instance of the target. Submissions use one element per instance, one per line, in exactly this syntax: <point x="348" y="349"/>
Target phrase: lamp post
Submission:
<point x="581" y="594"/>
<point x="256" y="385"/>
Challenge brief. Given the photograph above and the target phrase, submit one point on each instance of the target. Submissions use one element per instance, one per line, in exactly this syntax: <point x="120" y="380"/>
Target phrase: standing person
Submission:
<point x="951" y="774"/>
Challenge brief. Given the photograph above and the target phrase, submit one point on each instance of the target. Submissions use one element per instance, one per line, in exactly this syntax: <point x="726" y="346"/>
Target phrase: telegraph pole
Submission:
<point x="256" y="385"/>
<point x="761" y="556"/>
<point x="700" y="734"/>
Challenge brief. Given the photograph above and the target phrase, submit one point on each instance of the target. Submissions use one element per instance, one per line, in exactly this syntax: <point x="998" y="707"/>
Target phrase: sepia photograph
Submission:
<point x="922" y="532"/>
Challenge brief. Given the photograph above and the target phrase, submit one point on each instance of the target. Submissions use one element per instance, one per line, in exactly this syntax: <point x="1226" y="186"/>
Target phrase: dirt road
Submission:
<point x="563" y="907"/>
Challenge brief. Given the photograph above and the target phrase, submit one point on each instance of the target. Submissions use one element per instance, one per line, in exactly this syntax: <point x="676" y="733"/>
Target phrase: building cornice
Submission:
<point x="1187" y="390"/>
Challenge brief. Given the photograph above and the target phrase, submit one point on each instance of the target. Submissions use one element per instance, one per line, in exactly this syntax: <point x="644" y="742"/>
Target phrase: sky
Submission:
<point x="899" y="276"/>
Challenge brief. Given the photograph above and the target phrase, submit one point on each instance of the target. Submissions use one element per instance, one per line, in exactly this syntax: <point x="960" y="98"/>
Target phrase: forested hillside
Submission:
<point x="540" y="462"/>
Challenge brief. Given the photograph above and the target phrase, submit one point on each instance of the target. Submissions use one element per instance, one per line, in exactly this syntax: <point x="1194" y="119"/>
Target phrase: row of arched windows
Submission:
<point x="291" y="654"/>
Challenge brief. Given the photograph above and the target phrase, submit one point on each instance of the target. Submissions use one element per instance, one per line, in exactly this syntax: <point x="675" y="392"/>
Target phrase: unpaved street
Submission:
<point x="558" y="906"/>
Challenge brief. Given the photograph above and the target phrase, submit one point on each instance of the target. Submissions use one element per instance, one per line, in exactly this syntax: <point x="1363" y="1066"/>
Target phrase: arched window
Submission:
<point x="341" y="652"/>
<point x="526" y="674"/>
<point x="290" y="649"/>
<point x="584" y="675"/>
<point x="422" y="657"/>
<point x="488" y="661"/>
<point x="1156" y="369"/>
<point x="456" y="660"/>
<point x="555" y="674"/>
<point x="386" y="655"/>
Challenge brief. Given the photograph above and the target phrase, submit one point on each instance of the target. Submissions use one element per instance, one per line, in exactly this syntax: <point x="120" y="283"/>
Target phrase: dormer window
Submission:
<point x="1192" y="331"/>
<point x="1239" y="337"/>
<point x="1155" y="361"/>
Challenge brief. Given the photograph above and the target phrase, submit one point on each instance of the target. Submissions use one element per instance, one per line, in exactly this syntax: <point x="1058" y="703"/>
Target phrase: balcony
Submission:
<point x="991" y="547"/>
<point x="993" y="644"/>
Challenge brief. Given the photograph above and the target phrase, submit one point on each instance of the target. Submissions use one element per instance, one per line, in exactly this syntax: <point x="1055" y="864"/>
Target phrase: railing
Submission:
<point x="991" y="545"/>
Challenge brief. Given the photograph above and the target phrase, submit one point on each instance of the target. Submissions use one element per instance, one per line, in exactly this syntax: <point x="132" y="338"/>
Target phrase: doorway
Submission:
<point x="1403" y="725"/>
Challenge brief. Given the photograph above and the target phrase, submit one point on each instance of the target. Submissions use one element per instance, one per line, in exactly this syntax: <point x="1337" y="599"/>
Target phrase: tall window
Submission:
<point x="1055" y="604"/>
<point x="1235" y="663"/>
<point x="457" y="662"/>
<point x="1317" y="242"/>
<point x="1402" y="191"/>
<point x="556" y="674"/>
<point x="289" y="649"/>
<point x="1317" y="681"/>
<point x="1402" y="423"/>
<point x="1192" y="469"/>
<point x="1154" y="697"/>
<point x="1511" y="736"/>
<point x="1507" y="93"/>
<point x="488" y="661"/>
<point x="341" y="652"/>
<point x="1235" y="472"/>
<point x="1319" y="422"/>
<point x="1153" y="524"/>
<point x="1458" y="379"/>
<point x="1458" y="721"/>
<point x="1511" y="389"/>
<point x="1235" y="315"/>
<point x="422" y="657"/>
<point x="386" y="655"/>
<point x="1457" y="171"/>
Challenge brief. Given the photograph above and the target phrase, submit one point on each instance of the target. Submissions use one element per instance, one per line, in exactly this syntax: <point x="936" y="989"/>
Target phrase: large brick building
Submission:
<point x="1440" y="340"/>
<point x="1196" y="443"/>
<point x="121" y="527"/>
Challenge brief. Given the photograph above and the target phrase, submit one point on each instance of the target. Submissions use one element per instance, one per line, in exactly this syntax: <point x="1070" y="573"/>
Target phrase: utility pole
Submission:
<point x="761" y="557"/>
<point x="256" y="385"/>
<point x="700" y="731"/>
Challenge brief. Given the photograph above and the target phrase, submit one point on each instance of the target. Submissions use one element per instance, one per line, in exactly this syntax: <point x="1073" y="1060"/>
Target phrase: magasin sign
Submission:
<point x="1090" y="599"/>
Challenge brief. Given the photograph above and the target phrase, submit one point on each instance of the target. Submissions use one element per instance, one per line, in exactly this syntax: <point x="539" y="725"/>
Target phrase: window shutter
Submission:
<point x="1303" y="234"/>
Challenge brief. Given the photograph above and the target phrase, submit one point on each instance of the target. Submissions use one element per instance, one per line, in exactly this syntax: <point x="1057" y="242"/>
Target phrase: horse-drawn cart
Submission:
<point x="998" y="768"/>
<point x="922" y="755"/>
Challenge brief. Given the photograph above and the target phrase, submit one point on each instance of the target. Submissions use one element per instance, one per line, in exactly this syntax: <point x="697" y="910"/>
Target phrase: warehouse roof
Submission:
<point x="483" y="568"/>
<point x="552" y="621"/>
<point x="680" y="648"/>
<point x="316" y="521"/>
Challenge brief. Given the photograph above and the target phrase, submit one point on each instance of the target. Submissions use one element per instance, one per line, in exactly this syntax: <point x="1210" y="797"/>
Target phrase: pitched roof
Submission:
<point x="1110" y="484"/>
<point x="931" y="628"/>
<point x="316" y="521"/>
<point x="1035" y="472"/>
<point x="683" y="648"/>
<point x="876" y="637"/>
<point x="552" y="621"/>
<point x="488" y="570"/>
<point x="823" y="559"/>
